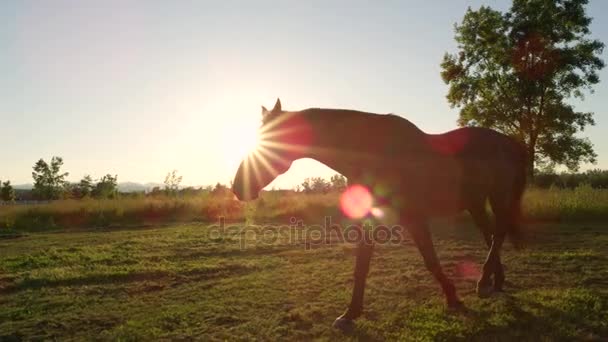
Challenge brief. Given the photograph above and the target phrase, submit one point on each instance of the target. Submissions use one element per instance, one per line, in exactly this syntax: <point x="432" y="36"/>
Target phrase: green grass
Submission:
<point x="189" y="281"/>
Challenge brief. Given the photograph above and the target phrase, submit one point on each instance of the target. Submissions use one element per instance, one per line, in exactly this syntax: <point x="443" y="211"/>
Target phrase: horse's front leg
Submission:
<point x="422" y="237"/>
<point x="365" y="248"/>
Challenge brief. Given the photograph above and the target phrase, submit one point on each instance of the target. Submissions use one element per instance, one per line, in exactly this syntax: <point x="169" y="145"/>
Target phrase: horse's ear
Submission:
<point x="277" y="106"/>
<point x="265" y="111"/>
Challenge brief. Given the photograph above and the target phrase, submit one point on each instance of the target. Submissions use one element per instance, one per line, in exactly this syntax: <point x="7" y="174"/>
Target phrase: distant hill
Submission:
<point x="137" y="187"/>
<point x="23" y="186"/>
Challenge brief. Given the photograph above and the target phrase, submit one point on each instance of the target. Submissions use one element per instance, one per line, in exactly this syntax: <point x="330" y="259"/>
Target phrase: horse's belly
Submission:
<point x="437" y="193"/>
<point x="440" y="202"/>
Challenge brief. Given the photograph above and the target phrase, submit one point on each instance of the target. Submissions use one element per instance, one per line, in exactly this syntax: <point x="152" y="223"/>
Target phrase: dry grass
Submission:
<point x="581" y="204"/>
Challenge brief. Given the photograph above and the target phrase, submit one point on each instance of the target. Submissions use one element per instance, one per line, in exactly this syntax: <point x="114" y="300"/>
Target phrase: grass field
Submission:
<point x="582" y="204"/>
<point x="189" y="281"/>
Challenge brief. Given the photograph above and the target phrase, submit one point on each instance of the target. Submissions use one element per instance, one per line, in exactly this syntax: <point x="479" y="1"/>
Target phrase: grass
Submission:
<point x="77" y="214"/>
<point x="545" y="205"/>
<point x="190" y="281"/>
<point x="583" y="203"/>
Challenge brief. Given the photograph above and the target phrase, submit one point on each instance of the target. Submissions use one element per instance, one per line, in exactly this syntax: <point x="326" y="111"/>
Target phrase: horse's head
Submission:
<point x="283" y="137"/>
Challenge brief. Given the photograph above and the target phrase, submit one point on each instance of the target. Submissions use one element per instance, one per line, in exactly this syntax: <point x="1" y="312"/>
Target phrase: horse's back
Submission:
<point x="437" y="172"/>
<point x="465" y="167"/>
<point x="475" y="142"/>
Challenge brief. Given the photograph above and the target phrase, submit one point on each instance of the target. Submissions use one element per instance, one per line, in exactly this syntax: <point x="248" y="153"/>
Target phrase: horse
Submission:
<point x="427" y="176"/>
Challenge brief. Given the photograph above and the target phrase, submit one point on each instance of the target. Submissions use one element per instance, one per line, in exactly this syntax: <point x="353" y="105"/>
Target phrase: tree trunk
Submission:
<point x="530" y="171"/>
<point x="530" y="164"/>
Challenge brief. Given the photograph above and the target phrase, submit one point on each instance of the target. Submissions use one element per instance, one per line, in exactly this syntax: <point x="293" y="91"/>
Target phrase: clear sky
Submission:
<point x="138" y="88"/>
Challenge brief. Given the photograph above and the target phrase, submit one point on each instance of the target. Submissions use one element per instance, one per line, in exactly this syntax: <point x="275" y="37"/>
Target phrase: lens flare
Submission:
<point x="377" y="212"/>
<point x="468" y="269"/>
<point x="356" y="201"/>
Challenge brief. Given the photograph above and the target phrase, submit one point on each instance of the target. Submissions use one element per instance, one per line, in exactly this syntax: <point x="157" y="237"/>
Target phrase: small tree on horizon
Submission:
<point x="220" y="189"/>
<point x="172" y="182"/>
<point x="338" y="182"/>
<point x="49" y="182"/>
<point x="7" y="192"/>
<point x="315" y="185"/>
<point x="106" y="187"/>
<point x="85" y="187"/>
<point x="517" y="71"/>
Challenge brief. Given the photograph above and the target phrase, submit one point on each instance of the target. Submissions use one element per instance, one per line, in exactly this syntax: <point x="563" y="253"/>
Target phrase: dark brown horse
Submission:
<point x="424" y="176"/>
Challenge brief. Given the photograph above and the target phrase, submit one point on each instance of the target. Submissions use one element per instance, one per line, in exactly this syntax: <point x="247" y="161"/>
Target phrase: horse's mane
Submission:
<point x="323" y="113"/>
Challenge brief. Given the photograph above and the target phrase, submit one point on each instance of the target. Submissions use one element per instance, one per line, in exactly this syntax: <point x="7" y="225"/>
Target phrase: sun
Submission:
<point x="244" y="140"/>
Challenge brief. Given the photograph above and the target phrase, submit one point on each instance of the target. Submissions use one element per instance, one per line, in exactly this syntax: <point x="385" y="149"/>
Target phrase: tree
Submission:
<point x="106" y="187"/>
<point x="220" y="190"/>
<point x="85" y="187"/>
<point x="315" y="185"/>
<point x="49" y="182"/>
<point x="306" y="185"/>
<point x="172" y="182"/>
<point x="338" y="182"/>
<point x="7" y="193"/>
<point x="515" y="72"/>
<point x="155" y="191"/>
<point x="320" y="185"/>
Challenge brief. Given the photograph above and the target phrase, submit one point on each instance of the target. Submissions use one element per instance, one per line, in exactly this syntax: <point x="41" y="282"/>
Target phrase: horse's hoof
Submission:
<point x="346" y="325"/>
<point x="484" y="291"/>
<point x="456" y="306"/>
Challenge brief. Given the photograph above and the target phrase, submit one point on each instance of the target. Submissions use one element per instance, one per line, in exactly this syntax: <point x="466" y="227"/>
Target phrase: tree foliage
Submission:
<point x="106" y="187"/>
<point x="596" y="178"/>
<point x="85" y="187"/>
<point x="49" y="181"/>
<point x="338" y="182"/>
<point x="7" y="193"/>
<point x="320" y="185"/>
<point x="172" y="182"/>
<point x="515" y="72"/>
<point x="221" y="190"/>
<point x="316" y="185"/>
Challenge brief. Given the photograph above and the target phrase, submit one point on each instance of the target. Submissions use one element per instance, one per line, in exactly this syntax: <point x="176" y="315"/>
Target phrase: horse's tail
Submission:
<point x="519" y="185"/>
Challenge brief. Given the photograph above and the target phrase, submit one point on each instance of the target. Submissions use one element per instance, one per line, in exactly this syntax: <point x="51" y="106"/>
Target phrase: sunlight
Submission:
<point x="243" y="140"/>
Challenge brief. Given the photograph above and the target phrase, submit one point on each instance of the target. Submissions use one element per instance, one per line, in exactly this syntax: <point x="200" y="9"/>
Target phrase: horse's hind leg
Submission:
<point x="501" y="212"/>
<point x="482" y="221"/>
<point x="422" y="237"/>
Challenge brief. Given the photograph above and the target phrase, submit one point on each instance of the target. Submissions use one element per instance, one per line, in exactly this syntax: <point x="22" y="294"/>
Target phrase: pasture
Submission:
<point x="417" y="111"/>
<point x="192" y="281"/>
<point x="581" y="204"/>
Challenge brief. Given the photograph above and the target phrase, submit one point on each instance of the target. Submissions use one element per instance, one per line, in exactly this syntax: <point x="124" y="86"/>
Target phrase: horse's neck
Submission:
<point x="346" y="140"/>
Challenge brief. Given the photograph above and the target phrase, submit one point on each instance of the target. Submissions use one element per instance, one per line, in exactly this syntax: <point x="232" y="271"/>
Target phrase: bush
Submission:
<point x="597" y="179"/>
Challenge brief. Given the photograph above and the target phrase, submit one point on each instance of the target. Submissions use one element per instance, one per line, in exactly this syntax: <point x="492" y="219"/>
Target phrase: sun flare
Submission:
<point x="244" y="140"/>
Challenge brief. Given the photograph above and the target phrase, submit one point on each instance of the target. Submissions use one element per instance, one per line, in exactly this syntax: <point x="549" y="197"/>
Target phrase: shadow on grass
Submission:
<point x="6" y="234"/>
<point x="177" y="277"/>
<point x="534" y="320"/>
<point x="574" y="316"/>
<point x="236" y="252"/>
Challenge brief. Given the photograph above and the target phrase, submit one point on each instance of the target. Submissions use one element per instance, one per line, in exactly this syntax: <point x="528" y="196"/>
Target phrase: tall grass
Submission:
<point x="90" y="213"/>
<point x="580" y="204"/>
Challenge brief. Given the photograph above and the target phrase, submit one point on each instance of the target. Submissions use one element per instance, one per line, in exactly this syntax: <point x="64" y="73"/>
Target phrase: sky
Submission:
<point x="139" y="88"/>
